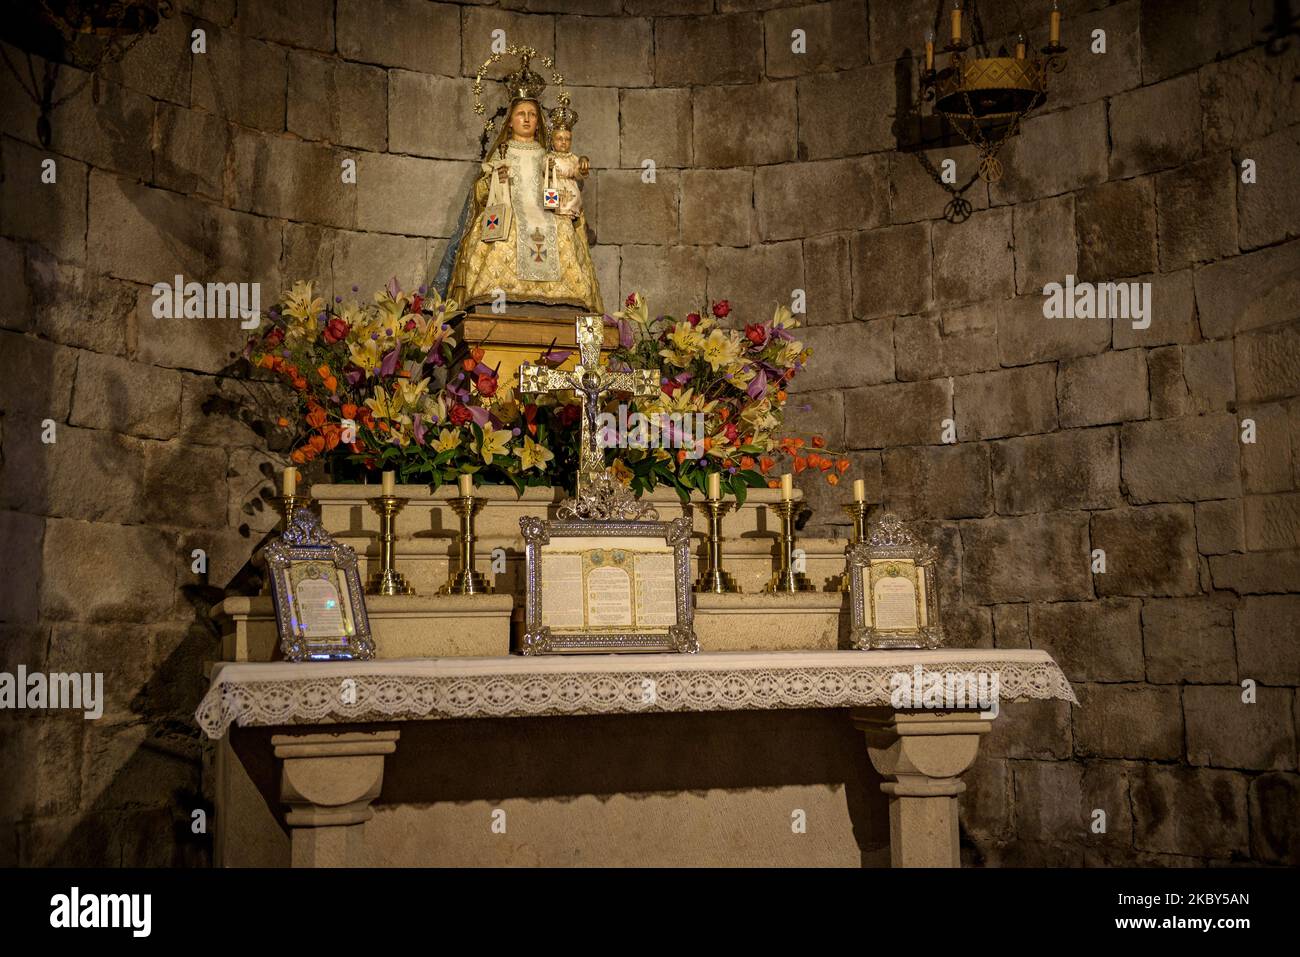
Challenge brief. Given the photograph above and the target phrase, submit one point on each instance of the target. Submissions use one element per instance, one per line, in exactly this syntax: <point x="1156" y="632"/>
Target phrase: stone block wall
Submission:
<point x="775" y="171"/>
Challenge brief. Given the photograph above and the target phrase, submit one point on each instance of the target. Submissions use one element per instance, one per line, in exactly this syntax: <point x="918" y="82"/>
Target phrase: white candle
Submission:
<point x="466" y="485"/>
<point x="1020" y="47"/>
<point x="390" y="483"/>
<point x="859" y="490"/>
<point x="929" y="49"/>
<point x="1055" y="36"/>
<point x="715" y="485"/>
<point x="956" y="21"/>
<point x="289" y="482"/>
<point x="787" y="487"/>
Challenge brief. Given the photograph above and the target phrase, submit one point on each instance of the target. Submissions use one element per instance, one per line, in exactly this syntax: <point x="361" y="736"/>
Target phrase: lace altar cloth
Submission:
<point x="283" y="693"/>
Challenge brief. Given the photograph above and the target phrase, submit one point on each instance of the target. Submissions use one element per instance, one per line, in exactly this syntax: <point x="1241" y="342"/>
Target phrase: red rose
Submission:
<point x="668" y="387"/>
<point x="410" y="324"/>
<point x="731" y="431"/>
<point x="693" y="318"/>
<point x="756" y="334"/>
<point x="487" y="384"/>
<point x="567" y="415"/>
<point x="335" y="330"/>
<point x="459" y="415"/>
<point x="630" y="301"/>
<point x="274" y="337"/>
<point x="416" y="303"/>
<point x="722" y="309"/>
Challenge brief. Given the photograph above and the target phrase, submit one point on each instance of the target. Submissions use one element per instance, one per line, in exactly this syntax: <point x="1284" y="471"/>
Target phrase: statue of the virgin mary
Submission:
<point x="542" y="257"/>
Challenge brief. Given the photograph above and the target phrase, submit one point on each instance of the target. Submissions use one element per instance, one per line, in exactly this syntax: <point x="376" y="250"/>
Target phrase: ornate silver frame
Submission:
<point x="306" y="541"/>
<point x="890" y="538"/>
<point x="538" y="639"/>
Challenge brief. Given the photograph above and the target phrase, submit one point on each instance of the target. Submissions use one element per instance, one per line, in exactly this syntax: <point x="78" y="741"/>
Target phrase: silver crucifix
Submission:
<point x="590" y="380"/>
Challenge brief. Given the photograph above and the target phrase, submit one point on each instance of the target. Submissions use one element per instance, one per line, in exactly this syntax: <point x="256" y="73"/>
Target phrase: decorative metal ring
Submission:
<point x="958" y="210"/>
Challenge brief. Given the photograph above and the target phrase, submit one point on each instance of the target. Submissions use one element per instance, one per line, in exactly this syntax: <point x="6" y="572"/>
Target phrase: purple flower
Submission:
<point x="417" y="426"/>
<point x="479" y="414"/>
<point x="354" y="288"/>
<point x="515" y="430"/>
<point x="389" y="365"/>
<point x="338" y="298"/>
<point x="625" y="338"/>
<point x="445" y="327"/>
<point x="556" y="355"/>
<point x="394" y="290"/>
<point x="757" y="385"/>
<point x="423" y="290"/>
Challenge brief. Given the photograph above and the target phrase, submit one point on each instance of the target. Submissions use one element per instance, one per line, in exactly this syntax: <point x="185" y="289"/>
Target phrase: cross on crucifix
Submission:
<point x="539" y="254"/>
<point x="591" y="381"/>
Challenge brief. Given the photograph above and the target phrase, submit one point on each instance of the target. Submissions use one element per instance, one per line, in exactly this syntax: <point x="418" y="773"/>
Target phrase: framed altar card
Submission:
<point x="892" y="589"/>
<point x="609" y="586"/>
<point x="320" y="607"/>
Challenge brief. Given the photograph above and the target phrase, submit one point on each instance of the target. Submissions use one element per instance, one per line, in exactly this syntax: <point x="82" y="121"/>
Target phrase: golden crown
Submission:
<point x="562" y="117"/>
<point x="524" y="84"/>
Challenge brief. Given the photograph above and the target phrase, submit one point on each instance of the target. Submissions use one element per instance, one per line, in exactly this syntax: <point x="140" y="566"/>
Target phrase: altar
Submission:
<point x="715" y="759"/>
<point x="563" y="614"/>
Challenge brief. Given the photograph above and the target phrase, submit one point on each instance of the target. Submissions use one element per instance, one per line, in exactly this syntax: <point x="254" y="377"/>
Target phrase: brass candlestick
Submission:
<point x="712" y="577"/>
<point x="286" y="504"/>
<point x="388" y="580"/>
<point x="858" y="511"/>
<point x="466" y="580"/>
<point x="786" y="578"/>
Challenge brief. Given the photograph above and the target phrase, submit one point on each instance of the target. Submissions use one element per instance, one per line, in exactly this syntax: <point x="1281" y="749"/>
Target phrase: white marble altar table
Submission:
<point x="328" y="779"/>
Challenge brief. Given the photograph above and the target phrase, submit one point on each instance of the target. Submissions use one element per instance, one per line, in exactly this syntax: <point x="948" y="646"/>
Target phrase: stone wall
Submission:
<point x="775" y="171"/>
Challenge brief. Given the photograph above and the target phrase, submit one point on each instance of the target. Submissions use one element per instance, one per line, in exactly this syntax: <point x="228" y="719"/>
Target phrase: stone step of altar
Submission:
<point x="427" y="531"/>
<point x="345" y="511"/>
<point x="481" y="626"/>
<point x="427" y="563"/>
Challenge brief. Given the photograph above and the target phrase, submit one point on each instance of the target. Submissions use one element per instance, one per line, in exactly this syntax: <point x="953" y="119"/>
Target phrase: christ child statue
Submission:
<point x="568" y="169"/>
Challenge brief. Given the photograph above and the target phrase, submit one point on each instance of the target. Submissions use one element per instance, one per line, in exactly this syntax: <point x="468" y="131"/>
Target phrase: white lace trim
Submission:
<point x="376" y="695"/>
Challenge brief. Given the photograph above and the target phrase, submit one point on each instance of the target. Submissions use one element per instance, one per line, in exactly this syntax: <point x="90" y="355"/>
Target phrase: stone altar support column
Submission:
<point x="328" y="782"/>
<point x="921" y="756"/>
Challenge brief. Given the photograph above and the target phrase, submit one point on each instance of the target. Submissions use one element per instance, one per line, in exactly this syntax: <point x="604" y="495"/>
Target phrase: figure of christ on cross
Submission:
<point x="591" y="381"/>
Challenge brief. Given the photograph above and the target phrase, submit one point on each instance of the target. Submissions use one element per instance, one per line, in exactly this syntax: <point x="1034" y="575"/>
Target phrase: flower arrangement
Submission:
<point x="386" y="385"/>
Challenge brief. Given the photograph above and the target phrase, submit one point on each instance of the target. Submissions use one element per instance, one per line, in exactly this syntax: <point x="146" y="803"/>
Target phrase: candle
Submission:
<point x="859" y="490"/>
<point x="289" y="482"/>
<point x="466" y="485"/>
<point x="929" y="49"/>
<point x="715" y="485"/>
<point x="787" y="487"/>
<point x="390" y="483"/>
<point x="1055" y="37"/>
<point x="1020" y="47"/>
<point x="956" y="22"/>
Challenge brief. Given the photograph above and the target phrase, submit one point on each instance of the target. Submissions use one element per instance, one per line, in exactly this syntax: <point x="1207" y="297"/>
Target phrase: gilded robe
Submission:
<point x="543" y="259"/>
